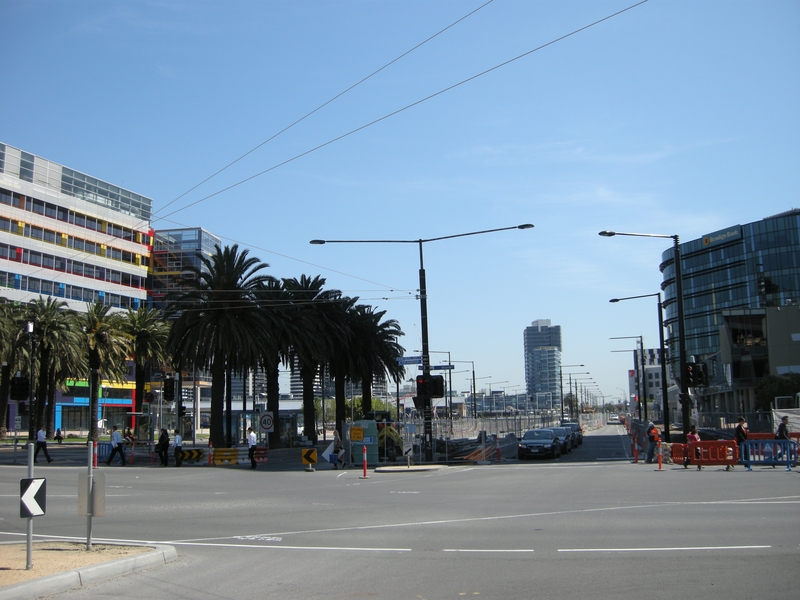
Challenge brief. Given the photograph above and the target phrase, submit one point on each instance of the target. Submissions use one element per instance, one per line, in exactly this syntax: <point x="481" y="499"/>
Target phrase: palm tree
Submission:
<point x="378" y="350"/>
<point x="220" y="323"/>
<point x="55" y="331"/>
<point x="107" y="347"/>
<point x="344" y="359"/>
<point x="148" y="331"/>
<point x="275" y="300"/>
<point x="12" y="340"/>
<point x="315" y="313"/>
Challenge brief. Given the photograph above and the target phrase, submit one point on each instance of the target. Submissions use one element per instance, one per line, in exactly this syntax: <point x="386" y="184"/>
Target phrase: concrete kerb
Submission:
<point x="75" y="578"/>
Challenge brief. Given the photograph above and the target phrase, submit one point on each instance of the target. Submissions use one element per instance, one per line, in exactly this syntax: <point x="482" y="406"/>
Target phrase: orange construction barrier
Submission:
<point x="261" y="454"/>
<point x="679" y="453"/>
<point x="713" y="453"/>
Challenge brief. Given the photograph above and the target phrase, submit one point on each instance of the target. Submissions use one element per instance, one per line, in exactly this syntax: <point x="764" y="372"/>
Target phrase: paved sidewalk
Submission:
<point x="75" y="578"/>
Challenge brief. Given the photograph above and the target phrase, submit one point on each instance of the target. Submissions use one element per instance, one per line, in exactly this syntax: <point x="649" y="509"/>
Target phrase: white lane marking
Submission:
<point x="505" y="517"/>
<point x="484" y="550"/>
<point x="268" y="547"/>
<point x="663" y="549"/>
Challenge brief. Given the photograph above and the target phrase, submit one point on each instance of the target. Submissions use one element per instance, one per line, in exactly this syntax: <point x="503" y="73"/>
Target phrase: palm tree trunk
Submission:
<point x="228" y="406"/>
<point x="50" y="411"/>
<point x="366" y="393"/>
<point x="139" y="379"/>
<point x="94" y="384"/>
<point x="5" y="384"/>
<point x="307" y="375"/>
<point x="41" y="385"/>
<point x="273" y="403"/>
<point x="341" y="408"/>
<point x="217" y="433"/>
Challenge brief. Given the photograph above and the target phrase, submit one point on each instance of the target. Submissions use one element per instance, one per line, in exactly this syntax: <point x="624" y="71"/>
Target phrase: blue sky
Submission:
<point x="674" y="117"/>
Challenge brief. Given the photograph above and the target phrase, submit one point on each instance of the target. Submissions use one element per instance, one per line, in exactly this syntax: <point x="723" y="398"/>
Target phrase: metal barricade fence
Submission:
<point x="768" y="453"/>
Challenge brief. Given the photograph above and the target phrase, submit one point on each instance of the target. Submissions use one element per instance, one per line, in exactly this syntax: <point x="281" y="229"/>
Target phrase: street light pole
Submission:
<point x="425" y="399"/>
<point x="684" y="395"/>
<point x="641" y="388"/>
<point x="663" y="360"/>
<point x="561" y="385"/>
<point x="474" y="400"/>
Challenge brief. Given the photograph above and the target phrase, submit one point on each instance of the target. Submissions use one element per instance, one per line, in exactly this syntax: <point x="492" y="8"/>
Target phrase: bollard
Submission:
<point x="499" y="455"/>
<point x="210" y="453"/>
<point x="660" y="460"/>
<point x="364" y="454"/>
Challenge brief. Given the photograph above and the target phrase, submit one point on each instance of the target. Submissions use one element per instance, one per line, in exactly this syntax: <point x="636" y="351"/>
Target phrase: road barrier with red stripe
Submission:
<point x="703" y="454"/>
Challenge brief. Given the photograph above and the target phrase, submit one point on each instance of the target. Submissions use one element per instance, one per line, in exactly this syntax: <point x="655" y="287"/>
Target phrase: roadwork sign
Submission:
<point x="32" y="497"/>
<point x="309" y="456"/>
<point x="356" y="434"/>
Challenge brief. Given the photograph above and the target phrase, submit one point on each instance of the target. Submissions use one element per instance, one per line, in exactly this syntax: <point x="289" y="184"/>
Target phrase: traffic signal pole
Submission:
<point x="425" y="395"/>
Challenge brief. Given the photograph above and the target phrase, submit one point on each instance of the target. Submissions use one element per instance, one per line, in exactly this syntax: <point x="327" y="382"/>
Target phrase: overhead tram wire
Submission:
<point x="404" y="108"/>
<point x="324" y="104"/>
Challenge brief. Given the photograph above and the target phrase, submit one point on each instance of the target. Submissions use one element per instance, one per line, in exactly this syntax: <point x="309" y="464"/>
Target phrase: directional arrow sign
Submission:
<point x="310" y="456"/>
<point x="32" y="497"/>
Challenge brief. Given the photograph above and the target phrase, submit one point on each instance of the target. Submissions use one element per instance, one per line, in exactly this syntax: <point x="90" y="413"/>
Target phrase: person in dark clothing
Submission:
<point x="163" y="448"/>
<point x="41" y="444"/>
<point x="783" y="429"/>
<point x="740" y="436"/>
<point x="782" y="434"/>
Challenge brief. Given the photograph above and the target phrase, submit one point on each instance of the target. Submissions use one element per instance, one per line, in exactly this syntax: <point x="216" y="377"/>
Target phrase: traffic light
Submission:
<point x="20" y="388"/>
<point x="437" y="386"/>
<point x="181" y="411"/>
<point x="703" y="374"/>
<point x="168" y="394"/>
<point x="691" y="374"/>
<point x="424" y="386"/>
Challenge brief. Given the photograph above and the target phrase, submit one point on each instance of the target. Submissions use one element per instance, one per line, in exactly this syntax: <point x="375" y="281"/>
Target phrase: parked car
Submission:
<point x="564" y="438"/>
<point x="539" y="442"/>
<point x="577" y="432"/>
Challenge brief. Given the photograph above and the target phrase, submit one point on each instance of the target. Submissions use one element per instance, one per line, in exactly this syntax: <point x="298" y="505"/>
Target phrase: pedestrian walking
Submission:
<point x="59" y="436"/>
<point x="740" y="437"/>
<point x="117" y="446"/>
<point x="41" y="444"/>
<point x="337" y="448"/>
<point x="163" y="448"/>
<point x="177" y="444"/>
<point x="691" y="438"/>
<point x="251" y="447"/>
<point x="782" y="434"/>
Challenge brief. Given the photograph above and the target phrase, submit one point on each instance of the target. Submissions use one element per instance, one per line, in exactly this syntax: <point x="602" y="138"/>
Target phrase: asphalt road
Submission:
<point x="588" y="525"/>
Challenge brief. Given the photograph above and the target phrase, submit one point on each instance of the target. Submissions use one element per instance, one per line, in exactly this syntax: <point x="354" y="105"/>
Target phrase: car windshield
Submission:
<point x="539" y="434"/>
<point x="560" y="431"/>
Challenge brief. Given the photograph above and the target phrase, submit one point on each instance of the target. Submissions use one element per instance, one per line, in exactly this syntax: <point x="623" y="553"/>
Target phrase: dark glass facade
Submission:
<point x="750" y="266"/>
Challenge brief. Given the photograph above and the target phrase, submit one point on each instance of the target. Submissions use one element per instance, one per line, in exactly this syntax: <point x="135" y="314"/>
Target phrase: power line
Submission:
<point x="405" y="108"/>
<point x="324" y="104"/>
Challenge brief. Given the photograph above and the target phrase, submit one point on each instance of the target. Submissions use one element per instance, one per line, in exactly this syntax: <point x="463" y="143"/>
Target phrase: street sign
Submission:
<point x="356" y="434"/>
<point x="441" y="367"/>
<point x="17" y="423"/>
<point x="266" y="422"/>
<point x="32" y="497"/>
<point x="310" y="456"/>
<point x="410" y="360"/>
